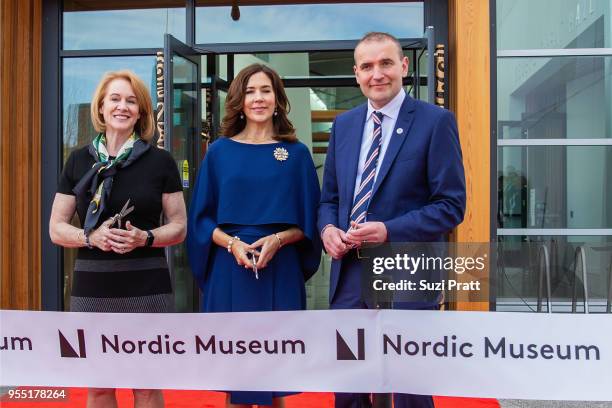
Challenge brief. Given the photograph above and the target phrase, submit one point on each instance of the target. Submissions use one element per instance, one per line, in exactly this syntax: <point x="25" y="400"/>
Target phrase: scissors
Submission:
<point x="254" y="262"/>
<point x="118" y="218"/>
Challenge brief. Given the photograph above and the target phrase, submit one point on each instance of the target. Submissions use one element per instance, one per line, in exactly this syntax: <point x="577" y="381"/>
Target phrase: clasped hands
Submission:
<point x="337" y="242"/>
<point x="264" y="250"/>
<point x="117" y="240"/>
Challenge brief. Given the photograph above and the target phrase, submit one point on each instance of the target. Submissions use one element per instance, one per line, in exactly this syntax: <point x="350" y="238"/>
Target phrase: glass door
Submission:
<point x="182" y="128"/>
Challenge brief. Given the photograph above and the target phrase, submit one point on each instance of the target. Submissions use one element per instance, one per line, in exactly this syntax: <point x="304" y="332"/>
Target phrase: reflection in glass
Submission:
<point x="554" y="98"/>
<point x="528" y="24"/>
<point x="315" y="21"/>
<point x="555" y="187"/>
<point x="331" y="63"/>
<point x="522" y="265"/>
<point x="131" y="27"/>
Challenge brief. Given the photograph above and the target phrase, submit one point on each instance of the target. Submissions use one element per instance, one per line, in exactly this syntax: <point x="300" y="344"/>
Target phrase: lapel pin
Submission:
<point x="399" y="131"/>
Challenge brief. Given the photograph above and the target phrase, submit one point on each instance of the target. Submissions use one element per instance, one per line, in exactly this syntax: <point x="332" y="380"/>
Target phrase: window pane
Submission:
<point x="80" y="78"/>
<point x="315" y="21"/>
<point x="555" y="187"/>
<point x="521" y="262"/>
<point x="528" y="24"/>
<point x="130" y="27"/>
<point x="554" y="98"/>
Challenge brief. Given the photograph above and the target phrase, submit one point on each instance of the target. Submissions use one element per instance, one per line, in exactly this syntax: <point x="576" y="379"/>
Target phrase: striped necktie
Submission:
<point x="364" y="192"/>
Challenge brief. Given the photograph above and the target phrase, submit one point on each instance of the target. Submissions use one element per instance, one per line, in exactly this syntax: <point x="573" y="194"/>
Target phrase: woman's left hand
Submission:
<point x="269" y="246"/>
<point x="125" y="240"/>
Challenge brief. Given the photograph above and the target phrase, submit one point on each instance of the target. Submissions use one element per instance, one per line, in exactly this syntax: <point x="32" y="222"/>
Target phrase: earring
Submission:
<point x="241" y="116"/>
<point x="275" y="112"/>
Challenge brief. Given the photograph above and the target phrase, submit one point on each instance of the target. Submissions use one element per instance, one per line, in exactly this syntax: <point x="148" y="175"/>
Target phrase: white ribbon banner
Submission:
<point x="471" y="354"/>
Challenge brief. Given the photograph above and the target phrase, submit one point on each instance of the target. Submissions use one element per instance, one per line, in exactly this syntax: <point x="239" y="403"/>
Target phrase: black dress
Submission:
<point x="138" y="281"/>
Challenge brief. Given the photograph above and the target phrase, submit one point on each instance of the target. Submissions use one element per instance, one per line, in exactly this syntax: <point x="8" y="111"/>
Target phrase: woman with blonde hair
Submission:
<point x="119" y="185"/>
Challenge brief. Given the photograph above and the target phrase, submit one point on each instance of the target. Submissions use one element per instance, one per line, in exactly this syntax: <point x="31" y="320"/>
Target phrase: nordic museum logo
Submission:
<point x="350" y="346"/>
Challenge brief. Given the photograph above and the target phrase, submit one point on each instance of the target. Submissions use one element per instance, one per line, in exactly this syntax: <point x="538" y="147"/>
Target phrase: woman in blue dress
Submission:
<point x="252" y="239"/>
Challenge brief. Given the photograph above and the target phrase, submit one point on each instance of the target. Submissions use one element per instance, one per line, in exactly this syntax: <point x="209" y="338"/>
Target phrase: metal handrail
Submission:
<point x="544" y="273"/>
<point x="580" y="255"/>
<point x="609" y="301"/>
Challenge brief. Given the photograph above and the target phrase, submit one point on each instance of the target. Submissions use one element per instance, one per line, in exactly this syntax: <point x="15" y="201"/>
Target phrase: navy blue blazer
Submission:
<point x="419" y="192"/>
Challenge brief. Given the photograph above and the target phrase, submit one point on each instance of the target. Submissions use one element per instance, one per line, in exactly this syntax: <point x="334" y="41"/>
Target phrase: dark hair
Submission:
<point x="232" y="124"/>
<point x="380" y="36"/>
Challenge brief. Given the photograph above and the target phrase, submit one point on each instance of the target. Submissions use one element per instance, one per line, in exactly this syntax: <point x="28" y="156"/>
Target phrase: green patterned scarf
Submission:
<point x="96" y="184"/>
<point x="99" y="143"/>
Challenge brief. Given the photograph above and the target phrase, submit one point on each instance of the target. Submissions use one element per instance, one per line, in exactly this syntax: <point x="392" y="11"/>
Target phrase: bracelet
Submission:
<point x="280" y="241"/>
<point x="231" y="242"/>
<point x="87" y="243"/>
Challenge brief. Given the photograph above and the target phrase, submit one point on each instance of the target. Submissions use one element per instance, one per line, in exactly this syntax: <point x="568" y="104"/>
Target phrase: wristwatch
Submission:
<point x="150" y="238"/>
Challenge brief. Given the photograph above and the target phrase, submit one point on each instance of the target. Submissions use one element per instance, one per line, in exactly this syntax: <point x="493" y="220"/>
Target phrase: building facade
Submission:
<point x="528" y="82"/>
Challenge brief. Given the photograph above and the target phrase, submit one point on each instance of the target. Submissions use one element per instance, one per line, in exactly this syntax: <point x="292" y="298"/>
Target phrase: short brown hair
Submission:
<point x="145" y="125"/>
<point x="232" y="123"/>
<point x="380" y="36"/>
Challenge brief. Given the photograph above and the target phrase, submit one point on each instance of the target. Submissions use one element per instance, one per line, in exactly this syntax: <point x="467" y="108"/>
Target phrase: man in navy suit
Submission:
<point x="393" y="173"/>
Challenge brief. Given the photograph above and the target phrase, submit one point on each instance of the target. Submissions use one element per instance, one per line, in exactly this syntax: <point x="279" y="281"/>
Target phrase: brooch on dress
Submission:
<point x="281" y="154"/>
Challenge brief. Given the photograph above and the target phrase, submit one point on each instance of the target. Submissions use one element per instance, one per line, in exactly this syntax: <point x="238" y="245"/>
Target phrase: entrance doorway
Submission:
<point x="320" y="84"/>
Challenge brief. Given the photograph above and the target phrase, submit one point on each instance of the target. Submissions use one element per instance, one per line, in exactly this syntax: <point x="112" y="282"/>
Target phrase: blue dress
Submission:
<point x="246" y="191"/>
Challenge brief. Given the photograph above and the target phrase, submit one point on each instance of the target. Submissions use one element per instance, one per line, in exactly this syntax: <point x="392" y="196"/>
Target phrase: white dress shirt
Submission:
<point x="390" y="112"/>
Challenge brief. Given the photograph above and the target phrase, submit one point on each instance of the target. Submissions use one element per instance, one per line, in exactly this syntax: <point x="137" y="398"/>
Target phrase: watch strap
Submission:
<point x="150" y="238"/>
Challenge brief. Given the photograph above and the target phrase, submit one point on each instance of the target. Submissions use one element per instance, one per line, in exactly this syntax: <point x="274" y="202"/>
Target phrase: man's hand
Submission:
<point x="334" y="242"/>
<point x="374" y="232"/>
